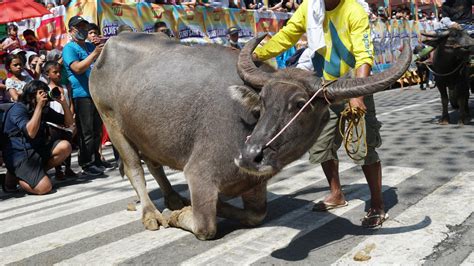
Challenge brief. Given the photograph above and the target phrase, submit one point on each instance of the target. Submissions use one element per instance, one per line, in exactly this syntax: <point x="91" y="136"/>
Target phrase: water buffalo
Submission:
<point x="451" y="70"/>
<point x="192" y="109"/>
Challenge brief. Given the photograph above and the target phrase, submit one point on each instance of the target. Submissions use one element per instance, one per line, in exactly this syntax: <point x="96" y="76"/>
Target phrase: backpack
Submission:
<point x="4" y="108"/>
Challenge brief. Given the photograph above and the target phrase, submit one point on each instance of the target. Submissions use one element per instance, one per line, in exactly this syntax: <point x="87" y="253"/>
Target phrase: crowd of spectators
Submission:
<point x="377" y="12"/>
<point x="401" y="12"/>
<point x="45" y="108"/>
<point x="273" y="5"/>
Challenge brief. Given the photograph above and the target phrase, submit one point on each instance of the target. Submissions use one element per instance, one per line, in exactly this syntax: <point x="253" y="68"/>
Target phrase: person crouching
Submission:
<point x="29" y="151"/>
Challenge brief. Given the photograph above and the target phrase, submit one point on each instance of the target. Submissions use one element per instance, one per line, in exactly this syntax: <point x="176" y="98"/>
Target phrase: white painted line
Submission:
<point x="448" y="205"/>
<point x="69" y="235"/>
<point x="127" y="248"/>
<point x="92" y="185"/>
<point x="469" y="261"/>
<point x="112" y="191"/>
<point x="87" y="191"/>
<point x="122" y="191"/>
<point x="260" y="242"/>
<point x="62" y="237"/>
<point x="407" y="107"/>
<point x="122" y="250"/>
<point x="297" y="162"/>
<point x="300" y="181"/>
<point x="17" y="207"/>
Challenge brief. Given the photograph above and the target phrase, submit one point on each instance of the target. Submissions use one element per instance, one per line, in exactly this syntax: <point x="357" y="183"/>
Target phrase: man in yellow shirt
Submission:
<point x="348" y="45"/>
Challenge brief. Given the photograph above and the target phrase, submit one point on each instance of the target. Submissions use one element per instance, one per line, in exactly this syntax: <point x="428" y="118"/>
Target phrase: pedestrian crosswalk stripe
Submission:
<point x="448" y="205"/>
<point x="92" y="185"/>
<point x="87" y="190"/>
<point x="115" y="192"/>
<point x="469" y="261"/>
<point x="151" y="241"/>
<point x="62" y="237"/>
<point x="75" y="233"/>
<point x="59" y="206"/>
<point x="260" y="242"/>
<point x="127" y="248"/>
<point x="16" y="205"/>
<point x="296" y="163"/>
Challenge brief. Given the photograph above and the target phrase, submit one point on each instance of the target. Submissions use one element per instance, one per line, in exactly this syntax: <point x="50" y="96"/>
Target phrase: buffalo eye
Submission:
<point x="256" y="113"/>
<point x="300" y="104"/>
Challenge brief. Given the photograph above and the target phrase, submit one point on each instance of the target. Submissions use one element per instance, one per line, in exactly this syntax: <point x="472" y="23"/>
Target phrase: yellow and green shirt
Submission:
<point x="346" y="34"/>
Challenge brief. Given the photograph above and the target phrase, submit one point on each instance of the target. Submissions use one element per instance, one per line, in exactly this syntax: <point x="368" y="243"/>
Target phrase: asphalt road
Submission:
<point x="428" y="189"/>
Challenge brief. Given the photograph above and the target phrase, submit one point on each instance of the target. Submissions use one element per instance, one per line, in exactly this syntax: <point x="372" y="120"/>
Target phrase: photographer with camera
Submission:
<point x="29" y="149"/>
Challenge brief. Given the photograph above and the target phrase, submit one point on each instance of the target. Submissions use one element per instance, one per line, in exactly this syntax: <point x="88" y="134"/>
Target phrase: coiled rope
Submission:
<point x="352" y="129"/>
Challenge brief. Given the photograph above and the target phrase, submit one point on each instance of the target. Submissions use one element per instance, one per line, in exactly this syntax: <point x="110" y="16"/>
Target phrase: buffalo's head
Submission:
<point x="274" y="98"/>
<point x="453" y="43"/>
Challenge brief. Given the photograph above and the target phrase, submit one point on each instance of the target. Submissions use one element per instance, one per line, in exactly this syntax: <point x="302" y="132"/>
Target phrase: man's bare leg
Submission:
<point x="376" y="214"/>
<point x="58" y="155"/>
<point x="43" y="187"/>
<point x="373" y="174"/>
<point x="60" y="152"/>
<point x="331" y="170"/>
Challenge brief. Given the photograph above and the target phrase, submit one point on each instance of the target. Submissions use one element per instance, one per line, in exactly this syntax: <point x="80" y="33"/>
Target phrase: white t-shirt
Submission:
<point x="18" y="85"/>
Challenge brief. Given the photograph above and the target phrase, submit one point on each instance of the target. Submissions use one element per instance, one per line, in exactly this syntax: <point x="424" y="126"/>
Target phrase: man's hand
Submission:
<point x="96" y="41"/>
<point x="98" y="49"/>
<point x="41" y="99"/>
<point x="358" y="102"/>
<point x="255" y="57"/>
<point x="361" y="72"/>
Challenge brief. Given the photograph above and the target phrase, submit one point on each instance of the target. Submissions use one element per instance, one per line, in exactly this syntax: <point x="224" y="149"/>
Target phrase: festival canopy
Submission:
<point x="15" y="10"/>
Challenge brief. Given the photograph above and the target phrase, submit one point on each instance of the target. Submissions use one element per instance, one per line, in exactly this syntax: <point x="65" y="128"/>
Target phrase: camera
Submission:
<point x="54" y="94"/>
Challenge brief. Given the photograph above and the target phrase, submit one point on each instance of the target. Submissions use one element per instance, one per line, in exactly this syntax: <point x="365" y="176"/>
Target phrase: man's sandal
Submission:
<point x="374" y="220"/>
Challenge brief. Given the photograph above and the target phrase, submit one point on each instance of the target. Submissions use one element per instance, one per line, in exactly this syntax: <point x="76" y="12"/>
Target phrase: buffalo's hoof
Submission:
<point x="152" y="219"/>
<point x="175" y="202"/>
<point x="208" y="235"/>
<point x="175" y="218"/>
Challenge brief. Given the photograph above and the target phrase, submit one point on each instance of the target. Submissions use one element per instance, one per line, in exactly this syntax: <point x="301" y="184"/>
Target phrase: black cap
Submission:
<point x="233" y="30"/>
<point x="74" y="21"/>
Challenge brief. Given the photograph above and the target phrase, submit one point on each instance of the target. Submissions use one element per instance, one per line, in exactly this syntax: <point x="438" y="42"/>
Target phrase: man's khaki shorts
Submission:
<point x="330" y="140"/>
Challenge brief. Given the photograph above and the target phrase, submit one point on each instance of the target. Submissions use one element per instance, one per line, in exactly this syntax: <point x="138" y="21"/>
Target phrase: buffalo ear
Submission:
<point x="245" y="95"/>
